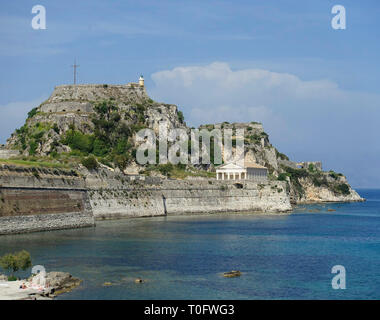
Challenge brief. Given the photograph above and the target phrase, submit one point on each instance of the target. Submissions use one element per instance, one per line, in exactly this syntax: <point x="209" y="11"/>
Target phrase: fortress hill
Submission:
<point x="48" y="183"/>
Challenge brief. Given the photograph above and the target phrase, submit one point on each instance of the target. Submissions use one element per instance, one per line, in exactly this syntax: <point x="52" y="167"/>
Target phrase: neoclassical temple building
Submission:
<point x="250" y="171"/>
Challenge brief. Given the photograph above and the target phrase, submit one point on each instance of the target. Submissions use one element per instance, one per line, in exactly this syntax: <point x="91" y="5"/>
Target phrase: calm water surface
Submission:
<point x="281" y="256"/>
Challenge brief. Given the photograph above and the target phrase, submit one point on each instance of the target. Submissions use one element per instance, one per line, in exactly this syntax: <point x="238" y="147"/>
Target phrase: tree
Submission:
<point x="17" y="261"/>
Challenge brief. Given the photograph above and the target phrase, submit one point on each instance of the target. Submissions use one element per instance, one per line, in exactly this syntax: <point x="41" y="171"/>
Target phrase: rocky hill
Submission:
<point x="95" y="125"/>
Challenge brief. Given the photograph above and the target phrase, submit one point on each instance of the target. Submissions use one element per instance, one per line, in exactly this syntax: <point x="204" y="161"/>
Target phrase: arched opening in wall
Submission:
<point x="78" y="110"/>
<point x="64" y="110"/>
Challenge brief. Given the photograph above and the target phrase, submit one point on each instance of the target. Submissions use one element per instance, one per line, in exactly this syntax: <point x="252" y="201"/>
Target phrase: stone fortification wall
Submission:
<point x="42" y="199"/>
<point x="98" y="92"/>
<point x="116" y="198"/>
<point x="7" y="153"/>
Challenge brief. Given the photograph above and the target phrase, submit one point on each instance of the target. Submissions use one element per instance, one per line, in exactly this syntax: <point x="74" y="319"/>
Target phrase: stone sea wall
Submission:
<point x="49" y="199"/>
<point x="123" y="197"/>
<point x="42" y="199"/>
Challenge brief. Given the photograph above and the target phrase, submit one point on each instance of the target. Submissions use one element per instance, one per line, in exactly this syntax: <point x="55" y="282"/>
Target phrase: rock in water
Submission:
<point x="61" y="282"/>
<point x="231" y="274"/>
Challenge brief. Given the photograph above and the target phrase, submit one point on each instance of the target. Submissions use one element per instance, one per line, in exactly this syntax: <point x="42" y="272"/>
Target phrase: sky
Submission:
<point x="314" y="88"/>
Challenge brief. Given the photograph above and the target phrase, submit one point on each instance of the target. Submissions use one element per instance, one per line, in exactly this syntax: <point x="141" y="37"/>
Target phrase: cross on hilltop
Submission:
<point x="75" y="66"/>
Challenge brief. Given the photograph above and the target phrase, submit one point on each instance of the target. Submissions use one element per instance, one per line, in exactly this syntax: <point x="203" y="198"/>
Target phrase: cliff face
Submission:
<point x="335" y="190"/>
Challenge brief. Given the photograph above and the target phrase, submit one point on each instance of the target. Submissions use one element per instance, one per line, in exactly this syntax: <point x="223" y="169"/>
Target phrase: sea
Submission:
<point x="288" y="256"/>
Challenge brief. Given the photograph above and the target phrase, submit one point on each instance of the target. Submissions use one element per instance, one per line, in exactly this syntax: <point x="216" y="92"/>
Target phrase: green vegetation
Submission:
<point x="31" y="136"/>
<point x="342" y="189"/>
<point x="32" y="113"/>
<point x="335" y="175"/>
<point x="281" y="156"/>
<point x="295" y="175"/>
<point x="34" y="162"/>
<point x="11" y="263"/>
<point x="283" y="176"/>
<point x="76" y="140"/>
<point x="178" y="171"/>
<point x="111" y="140"/>
<point x="256" y="138"/>
<point x="181" y="118"/>
<point x="90" y="162"/>
<point x="318" y="178"/>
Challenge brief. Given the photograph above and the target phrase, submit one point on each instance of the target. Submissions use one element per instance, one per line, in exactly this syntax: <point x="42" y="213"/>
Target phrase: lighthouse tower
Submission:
<point x="141" y="81"/>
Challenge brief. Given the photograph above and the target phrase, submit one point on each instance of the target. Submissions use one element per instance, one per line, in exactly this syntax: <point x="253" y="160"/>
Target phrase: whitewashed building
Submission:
<point x="250" y="171"/>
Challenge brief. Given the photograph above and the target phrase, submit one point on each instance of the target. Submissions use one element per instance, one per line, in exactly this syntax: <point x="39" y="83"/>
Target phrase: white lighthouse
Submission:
<point x="141" y="81"/>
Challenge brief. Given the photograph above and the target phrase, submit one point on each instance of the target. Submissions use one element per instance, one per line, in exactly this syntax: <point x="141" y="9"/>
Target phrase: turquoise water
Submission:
<point x="280" y="256"/>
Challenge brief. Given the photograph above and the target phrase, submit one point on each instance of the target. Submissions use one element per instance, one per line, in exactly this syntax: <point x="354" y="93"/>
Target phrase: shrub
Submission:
<point x="100" y="148"/>
<point x="32" y="113"/>
<point x="296" y="173"/>
<point x="38" y="136"/>
<point x="319" y="180"/>
<point x="165" y="169"/>
<point x="17" y="261"/>
<point x="33" y="145"/>
<point x="54" y="154"/>
<point x="282" y="176"/>
<point x="335" y="175"/>
<point x="181" y="118"/>
<point x="122" y="146"/>
<point x="90" y="162"/>
<point x="281" y="155"/>
<point x="79" y="141"/>
<point x="55" y="128"/>
<point x="342" y="189"/>
<point x="255" y="138"/>
<point x="121" y="161"/>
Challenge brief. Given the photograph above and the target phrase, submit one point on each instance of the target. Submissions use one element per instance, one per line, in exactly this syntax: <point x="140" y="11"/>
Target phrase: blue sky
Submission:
<point x="315" y="89"/>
